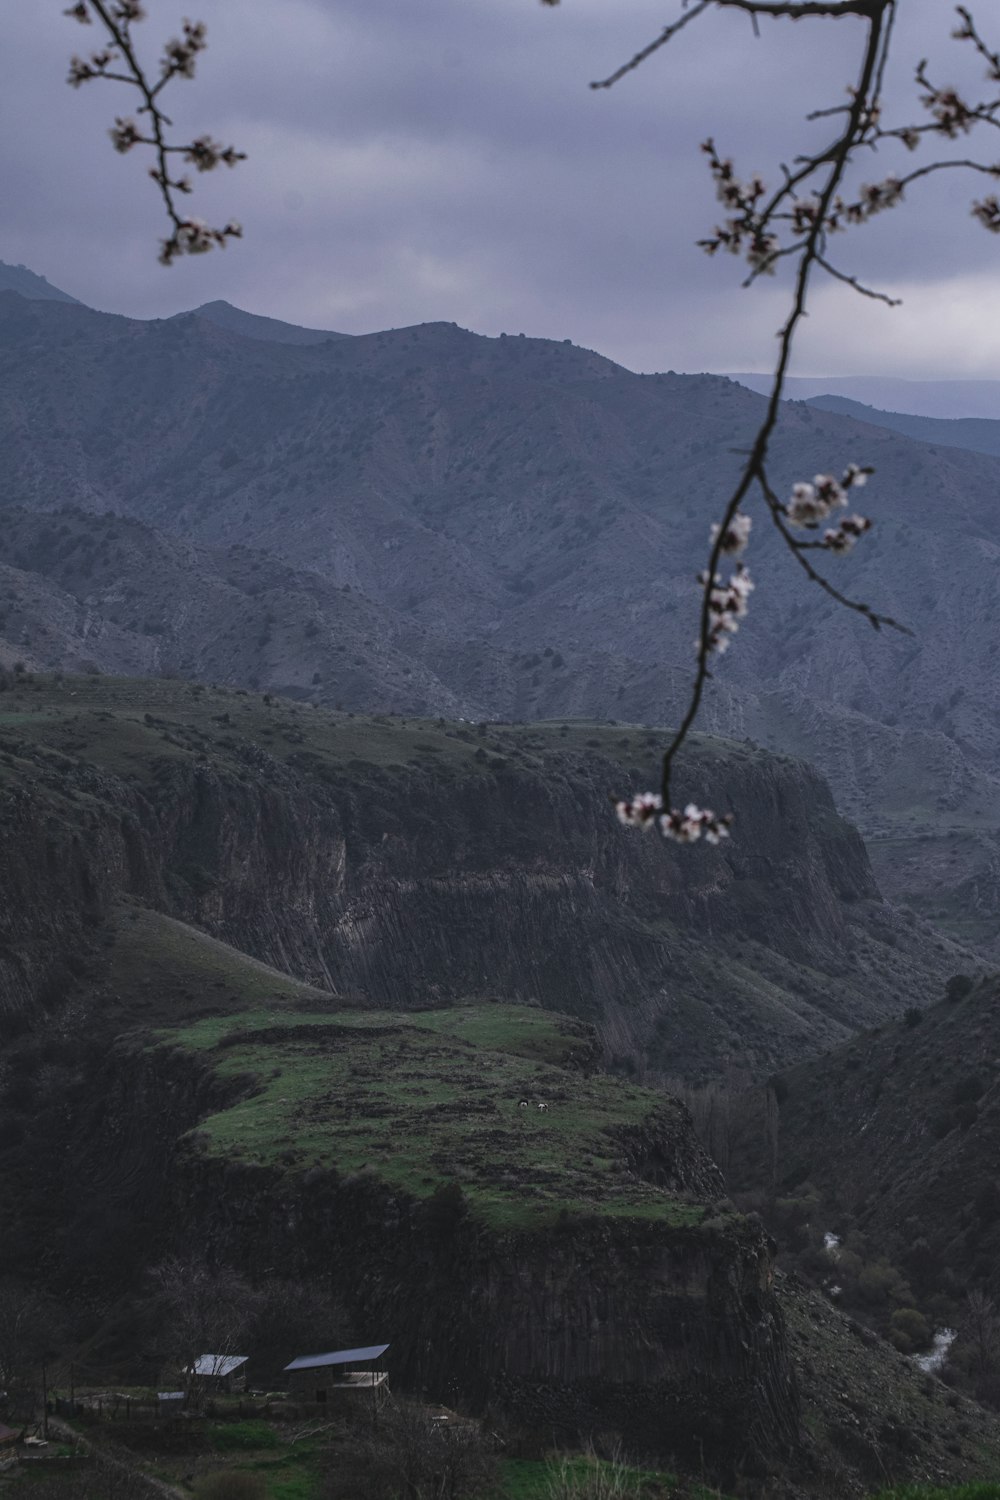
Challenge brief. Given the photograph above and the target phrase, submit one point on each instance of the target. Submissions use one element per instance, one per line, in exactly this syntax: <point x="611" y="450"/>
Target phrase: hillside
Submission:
<point x="80" y="591"/>
<point x="226" y="1026"/>
<point x="480" y="501"/>
<point x="253" y="326"/>
<point x="418" y="860"/>
<point x="513" y="1256"/>
<point x="941" y="399"/>
<point x="28" y="284"/>
<point x="901" y="1128"/>
<point x="976" y="434"/>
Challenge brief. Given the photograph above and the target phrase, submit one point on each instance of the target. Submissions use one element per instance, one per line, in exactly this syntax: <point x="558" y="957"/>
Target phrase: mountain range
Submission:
<point x="269" y="985"/>
<point x="321" y="946"/>
<point x="426" y="520"/>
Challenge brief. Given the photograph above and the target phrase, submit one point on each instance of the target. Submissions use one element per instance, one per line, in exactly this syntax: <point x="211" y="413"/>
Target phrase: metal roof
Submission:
<point x="218" y="1365"/>
<point x="339" y="1357"/>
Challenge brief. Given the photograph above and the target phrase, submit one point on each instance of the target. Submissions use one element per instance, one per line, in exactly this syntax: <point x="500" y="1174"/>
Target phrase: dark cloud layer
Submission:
<point x="411" y="161"/>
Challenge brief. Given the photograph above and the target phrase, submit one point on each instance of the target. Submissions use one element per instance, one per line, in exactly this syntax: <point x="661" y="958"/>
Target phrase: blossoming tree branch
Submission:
<point x="796" y="220"/>
<point x="118" y="61"/>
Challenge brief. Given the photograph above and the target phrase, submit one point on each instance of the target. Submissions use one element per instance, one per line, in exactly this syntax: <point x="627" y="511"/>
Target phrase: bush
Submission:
<point x="880" y="1282"/>
<point x="588" y="1478"/>
<point x="912" y="1016"/>
<point x="909" y="1330"/>
<point x="957" y="987"/>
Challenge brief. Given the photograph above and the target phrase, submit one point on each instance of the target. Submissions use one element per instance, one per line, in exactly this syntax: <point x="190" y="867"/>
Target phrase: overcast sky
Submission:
<point x="412" y="160"/>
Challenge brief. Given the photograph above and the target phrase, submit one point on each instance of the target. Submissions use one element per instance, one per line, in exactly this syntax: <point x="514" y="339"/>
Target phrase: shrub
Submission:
<point x="880" y="1282"/>
<point x="912" y="1016"/>
<point x="957" y="987"/>
<point x="909" y="1329"/>
<point x="588" y="1478"/>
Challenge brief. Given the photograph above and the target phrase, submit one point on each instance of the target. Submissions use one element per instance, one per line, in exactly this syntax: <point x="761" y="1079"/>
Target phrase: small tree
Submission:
<point x="203" y="1310"/>
<point x="980" y="1329"/>
<point x="409" y="1456"/>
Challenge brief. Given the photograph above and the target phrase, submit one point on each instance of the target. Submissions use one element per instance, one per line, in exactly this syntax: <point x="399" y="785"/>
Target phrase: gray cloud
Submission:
<point x="446" y="160"/>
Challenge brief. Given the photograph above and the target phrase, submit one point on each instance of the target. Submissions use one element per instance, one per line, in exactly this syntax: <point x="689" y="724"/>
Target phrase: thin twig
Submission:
<point x="852" y="281"/>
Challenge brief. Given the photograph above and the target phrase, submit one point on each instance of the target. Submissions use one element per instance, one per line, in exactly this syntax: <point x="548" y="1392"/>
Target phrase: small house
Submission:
<point x="219" y="1372"/>
<point x="322" y="1378"/>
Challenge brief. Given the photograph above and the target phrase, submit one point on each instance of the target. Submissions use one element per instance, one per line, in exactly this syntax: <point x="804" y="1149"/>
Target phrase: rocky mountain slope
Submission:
<point x="28" y="284"/>
<point x="902" y="1128"/>
<point x="976" y="434"/>
<point x="412" y="862"/>
<point x="253" y="326"/>
<point x="342" y="1095"/>
<point x="521" y="520"/>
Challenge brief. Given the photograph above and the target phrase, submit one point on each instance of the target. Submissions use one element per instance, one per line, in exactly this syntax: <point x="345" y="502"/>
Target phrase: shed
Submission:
<point x="324" y="1377"/>
<point x="220" y="1372"/>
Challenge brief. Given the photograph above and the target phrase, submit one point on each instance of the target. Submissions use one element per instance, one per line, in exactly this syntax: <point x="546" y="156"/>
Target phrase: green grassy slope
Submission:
<point x="424" y="1099"/>
<point x="162" y="971"/>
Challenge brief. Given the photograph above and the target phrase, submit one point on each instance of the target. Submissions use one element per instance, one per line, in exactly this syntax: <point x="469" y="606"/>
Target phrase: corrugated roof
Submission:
<point x="218" y="1365"/>
<point x="339" y="1357"/>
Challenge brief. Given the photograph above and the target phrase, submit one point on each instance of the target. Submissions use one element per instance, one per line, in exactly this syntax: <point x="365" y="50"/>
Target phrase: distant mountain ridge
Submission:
<point x="253" y="326"/>
<point x="922" y="398"/>
<point x="29" y="284"/>
<point x="975" y="434"/>
<point x="514" y="524"/>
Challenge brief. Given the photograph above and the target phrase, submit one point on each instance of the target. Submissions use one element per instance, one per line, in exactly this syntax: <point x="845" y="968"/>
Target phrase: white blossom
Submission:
<point x="124" y="134"/>
<point x="645" y="811"/>
<point x="204" y="153"/>
<point x="844" y="536"/>
<point x="735" y="537"/>
<point x="688" y="826"/>
<point x="763" y="252"/>
<point x="950" y="111"/>
<point x="180" y="52"/>
<point x="727" y="605"/>
<point x="812" y="503"/>
<point x="640" y="811"/>
<point x="987" y="211"/>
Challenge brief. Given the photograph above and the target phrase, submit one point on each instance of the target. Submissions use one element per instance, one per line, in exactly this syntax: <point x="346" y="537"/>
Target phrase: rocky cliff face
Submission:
<point x="412" y="863"/>
<point x="671" y="1337"/>
<point x="665" y="1332"/>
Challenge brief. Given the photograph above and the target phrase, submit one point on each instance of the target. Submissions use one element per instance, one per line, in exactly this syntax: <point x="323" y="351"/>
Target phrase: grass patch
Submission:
<point x="533" y="1479"/>
<point x="243" y="1437"/>
<point x="162" y="971"/>
<point x="976" y="1491"/>
<point x="420" y="1100"/>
